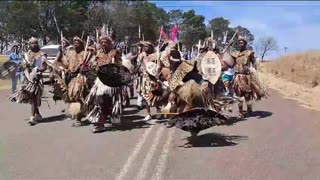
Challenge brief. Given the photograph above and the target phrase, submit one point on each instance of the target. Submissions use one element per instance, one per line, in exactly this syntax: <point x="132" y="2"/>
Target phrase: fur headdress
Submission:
<point x="76" y="38"/>
<point x="33" y="39"/>
<point x="145" y="43"/>
<point x="105" y="37"/>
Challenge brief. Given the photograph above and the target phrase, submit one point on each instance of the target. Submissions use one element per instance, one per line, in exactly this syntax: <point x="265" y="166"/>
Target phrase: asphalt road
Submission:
<point x="281" y="141"/>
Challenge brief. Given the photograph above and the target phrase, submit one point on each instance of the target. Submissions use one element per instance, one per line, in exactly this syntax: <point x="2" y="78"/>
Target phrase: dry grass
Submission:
<point x="295" y="76"/>
<point x="3" y="59"/>
<point x="307" y="97"/>
<point x="4" y="84"/>
<point x="303" y="69"/>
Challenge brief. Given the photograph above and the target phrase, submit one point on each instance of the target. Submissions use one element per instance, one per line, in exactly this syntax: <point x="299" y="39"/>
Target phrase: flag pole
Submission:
<point x="178" y="38"/>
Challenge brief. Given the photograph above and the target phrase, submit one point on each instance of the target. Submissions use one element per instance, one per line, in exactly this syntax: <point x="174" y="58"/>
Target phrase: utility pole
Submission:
<point x="285" y="50"/>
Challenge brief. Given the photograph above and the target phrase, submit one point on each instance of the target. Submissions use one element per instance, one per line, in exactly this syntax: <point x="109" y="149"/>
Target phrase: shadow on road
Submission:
<point x="217" y="140"/>
<point x="261" y="114"/>
<point x="255" y="114"/>
<point x="60" y="117"/>
<point x="130" y="122"/>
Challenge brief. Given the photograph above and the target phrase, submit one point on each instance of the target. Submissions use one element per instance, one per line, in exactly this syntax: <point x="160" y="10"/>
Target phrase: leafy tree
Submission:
<point x="151" y="19"/>
<point x="193" y="28"/>
<point x="45" y="19"/>
<point x="219" y="26"/>
<point x="175" y="17"/>
<point x="21" y="21"/>
<point x="4" y="36"/>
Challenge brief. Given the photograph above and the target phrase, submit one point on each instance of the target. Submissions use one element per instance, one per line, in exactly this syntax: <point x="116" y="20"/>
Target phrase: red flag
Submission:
<point x="163" y="34"/>
<point x="174" y="33"/>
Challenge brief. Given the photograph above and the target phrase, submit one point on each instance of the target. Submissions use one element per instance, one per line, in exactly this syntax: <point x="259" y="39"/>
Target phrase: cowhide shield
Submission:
<point x="114" y="75"/>
<point x="8" y="70"/>
<point x="151" y="68"/>
<point x="211" y="67"/>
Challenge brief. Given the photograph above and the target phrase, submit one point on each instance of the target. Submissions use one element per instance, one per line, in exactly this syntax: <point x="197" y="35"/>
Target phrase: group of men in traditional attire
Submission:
<point x="164" y="80"/>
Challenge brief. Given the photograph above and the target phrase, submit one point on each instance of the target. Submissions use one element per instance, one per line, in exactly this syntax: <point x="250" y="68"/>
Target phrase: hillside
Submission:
<point x="296" y="76"/>
<point x="303" y="69"/>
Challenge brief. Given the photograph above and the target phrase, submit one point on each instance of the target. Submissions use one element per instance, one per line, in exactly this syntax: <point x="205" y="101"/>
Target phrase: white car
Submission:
<point x="51" y="51"/>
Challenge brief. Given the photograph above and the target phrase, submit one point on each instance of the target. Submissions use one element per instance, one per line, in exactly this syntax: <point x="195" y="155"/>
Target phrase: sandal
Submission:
<point x="241" y="116"/>
<point x="187" y="145"/>
<point x="77" y="124"/>
<point x="32" y="121"/>
<point x="99" y="129"/>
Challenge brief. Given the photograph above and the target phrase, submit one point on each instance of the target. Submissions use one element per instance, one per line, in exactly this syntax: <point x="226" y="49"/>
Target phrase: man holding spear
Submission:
<point x="75" y="65"/>
<point x="32" y="89"/>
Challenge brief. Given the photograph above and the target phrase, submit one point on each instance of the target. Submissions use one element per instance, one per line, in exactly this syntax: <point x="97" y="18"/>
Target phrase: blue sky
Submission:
<point x="295" y="25"/>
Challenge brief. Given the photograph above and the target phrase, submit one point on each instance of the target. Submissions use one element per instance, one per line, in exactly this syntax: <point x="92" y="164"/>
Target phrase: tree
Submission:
<point x="151" y="18"/>
<point x="219" y="26"/>
<point x="265" y="45"/>
<point x="21" y="21"/>
<point x="175" y="17"/>
<point x="4" y="37"/>
<point x="193" y="28"/>
<point x="45" y="19"/>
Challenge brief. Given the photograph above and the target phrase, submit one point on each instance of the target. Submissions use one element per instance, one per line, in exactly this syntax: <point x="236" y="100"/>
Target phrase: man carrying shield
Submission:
<point x="102" y="98"/>
<point x="16" y="57"/>
<point x="149" y="82"/>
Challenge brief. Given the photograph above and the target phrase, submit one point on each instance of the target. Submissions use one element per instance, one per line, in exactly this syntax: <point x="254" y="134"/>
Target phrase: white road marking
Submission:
<point x="134" y="154"/>
<point x="143" y="171"/>
<point x="162" y="161"/>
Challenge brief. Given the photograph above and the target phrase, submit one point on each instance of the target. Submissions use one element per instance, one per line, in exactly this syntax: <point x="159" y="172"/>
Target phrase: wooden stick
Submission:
<point x="160" y="113"/>
<point x="82" y="34"/>
<point x="86" y="47"/>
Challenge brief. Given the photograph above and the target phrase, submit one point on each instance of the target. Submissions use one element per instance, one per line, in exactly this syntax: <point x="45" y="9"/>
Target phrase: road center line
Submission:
<point x="162" y="161"/>
<point x="134" y="154"/>
<point x="143" y="171"/>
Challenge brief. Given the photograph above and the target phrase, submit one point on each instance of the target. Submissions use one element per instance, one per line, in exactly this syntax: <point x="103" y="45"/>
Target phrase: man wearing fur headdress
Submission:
<point x="57" y="76"/>
<point x="58" y="63"/>
<point x="62" y="50"/>
<point x="32" y="89"/>
<point x="245" y="82"/>
<point x="76" y="67"/>
<point x="102" y="98"/>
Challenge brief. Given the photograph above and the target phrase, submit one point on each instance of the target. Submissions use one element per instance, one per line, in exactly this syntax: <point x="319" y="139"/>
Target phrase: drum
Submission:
<point x="8" y="70"/>
<point x="114" y="75"/>
<point x="211" y="67"/>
